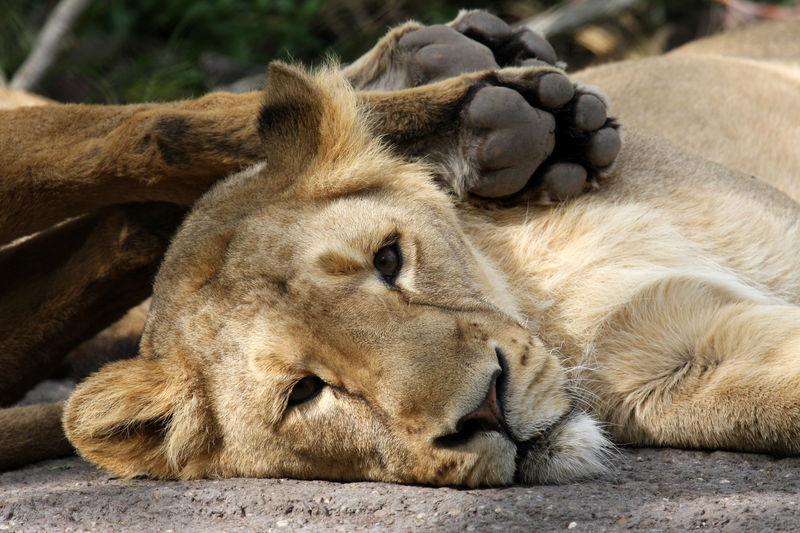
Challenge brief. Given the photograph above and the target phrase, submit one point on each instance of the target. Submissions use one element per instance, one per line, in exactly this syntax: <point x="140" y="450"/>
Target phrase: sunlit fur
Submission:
<point x="665" y="305"/>
<point x="271" y="279"/>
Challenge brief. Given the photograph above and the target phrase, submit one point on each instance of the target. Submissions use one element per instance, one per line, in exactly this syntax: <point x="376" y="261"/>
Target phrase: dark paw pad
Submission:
<point x="511" y="48"/>
<point x="484" y="28"/>
<point x="559" y="133"/>
<point x="554" y="90"/>
<point x="439" y="52"/>
<point x="604" y="147"/>
<point x="518" y="139"/>
<point x="590" y="112"/>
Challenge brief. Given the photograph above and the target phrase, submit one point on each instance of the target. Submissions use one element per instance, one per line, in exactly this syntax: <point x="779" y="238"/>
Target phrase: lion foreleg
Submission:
<point x="66" y="284"/>
<point x="60" y="161"/>
<point x="519" y="131"/>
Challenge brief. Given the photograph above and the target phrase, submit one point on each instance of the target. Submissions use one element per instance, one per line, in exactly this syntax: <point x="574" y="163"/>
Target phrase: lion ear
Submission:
<point x="290" y="117"/>
<point x="134" y="417"/>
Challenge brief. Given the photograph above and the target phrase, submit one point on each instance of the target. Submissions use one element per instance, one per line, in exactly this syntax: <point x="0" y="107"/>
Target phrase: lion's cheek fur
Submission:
<point x="343" y="438"/>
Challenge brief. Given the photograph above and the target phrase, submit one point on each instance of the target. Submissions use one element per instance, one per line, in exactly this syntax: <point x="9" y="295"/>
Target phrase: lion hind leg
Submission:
<point x="733" y="383"/>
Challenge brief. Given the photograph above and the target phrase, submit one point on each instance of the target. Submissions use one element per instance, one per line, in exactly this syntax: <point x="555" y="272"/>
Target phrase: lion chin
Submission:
<point x="575" y="448"/>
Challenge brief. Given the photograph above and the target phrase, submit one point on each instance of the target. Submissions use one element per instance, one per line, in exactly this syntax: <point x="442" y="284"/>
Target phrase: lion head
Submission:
<point x="324" y="315"/>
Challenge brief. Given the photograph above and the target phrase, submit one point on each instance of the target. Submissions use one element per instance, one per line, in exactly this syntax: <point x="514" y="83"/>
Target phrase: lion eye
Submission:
<point x="305" y="389"/>
<point x="387" y="262"/>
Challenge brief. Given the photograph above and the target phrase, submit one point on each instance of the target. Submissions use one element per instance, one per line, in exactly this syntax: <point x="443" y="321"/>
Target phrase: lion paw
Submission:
<point x="510" y="47"/>
<point x="475" y="41"/>
<point x="538" y="136"/>
<point x="526" y="130"/>
<point x="413" y="55"/>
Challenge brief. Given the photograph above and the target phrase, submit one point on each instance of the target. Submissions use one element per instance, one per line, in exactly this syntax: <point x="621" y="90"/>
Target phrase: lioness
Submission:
<point x="63" y="284"/>
<point x="347" y="310"/>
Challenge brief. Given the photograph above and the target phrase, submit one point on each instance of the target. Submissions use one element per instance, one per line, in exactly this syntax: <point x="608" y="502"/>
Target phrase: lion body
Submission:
<point x="731" y="99"/>
<point x="673" y="291"/>
<point x="673" y="295"/>
<point x="663" y="305"/>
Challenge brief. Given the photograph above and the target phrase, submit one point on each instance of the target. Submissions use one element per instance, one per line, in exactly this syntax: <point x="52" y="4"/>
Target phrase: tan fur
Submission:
<point x="668" y="298"/>
<point x="12" y="98"/>
<point x="731" y="99"/>
<point x="665" y="304"/>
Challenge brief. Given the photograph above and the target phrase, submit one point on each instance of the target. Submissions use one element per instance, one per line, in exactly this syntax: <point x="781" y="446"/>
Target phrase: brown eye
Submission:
<point x="305" y="389"/>
<point x="387" y="262"/>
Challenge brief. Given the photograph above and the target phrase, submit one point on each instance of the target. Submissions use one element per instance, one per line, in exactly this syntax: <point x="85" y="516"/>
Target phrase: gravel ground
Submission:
<point x="649" y="490"/>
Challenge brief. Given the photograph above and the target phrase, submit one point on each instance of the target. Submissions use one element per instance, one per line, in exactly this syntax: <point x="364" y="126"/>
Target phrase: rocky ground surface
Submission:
<point x="649" y="490"/>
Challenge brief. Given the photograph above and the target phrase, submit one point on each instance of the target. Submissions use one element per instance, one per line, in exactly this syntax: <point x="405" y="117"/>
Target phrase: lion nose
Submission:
<point x="487" y="417"/>
<point x="489" y="413"/>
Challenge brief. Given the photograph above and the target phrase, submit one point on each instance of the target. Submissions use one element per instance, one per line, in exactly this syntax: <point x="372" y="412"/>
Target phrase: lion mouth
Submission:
<point x="566" y="447"/>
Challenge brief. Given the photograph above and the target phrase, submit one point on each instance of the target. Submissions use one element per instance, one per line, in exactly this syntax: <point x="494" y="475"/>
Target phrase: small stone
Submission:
<point x="380" y="513"/>
<point x="281" y="523"/>
<point x="724" y="481"/>
<point x="622" y="521"/>
<point x="572" y="525"/>
<point x="454" y="512"/>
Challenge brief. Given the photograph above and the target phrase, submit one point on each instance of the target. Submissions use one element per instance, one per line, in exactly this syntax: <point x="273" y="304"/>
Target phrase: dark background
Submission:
<point x="122" y="51"/>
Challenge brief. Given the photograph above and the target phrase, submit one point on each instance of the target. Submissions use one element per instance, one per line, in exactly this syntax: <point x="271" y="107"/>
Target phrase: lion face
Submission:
<point x="340" y="326"/>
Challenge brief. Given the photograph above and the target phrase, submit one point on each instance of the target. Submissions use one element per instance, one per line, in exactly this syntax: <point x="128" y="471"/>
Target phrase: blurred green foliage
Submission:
<point x="124" y="51"/>
<point x="143" y="50"/>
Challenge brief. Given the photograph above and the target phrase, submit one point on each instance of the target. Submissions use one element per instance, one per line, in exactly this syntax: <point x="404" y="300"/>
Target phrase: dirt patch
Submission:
<point x="650" y="490"/>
